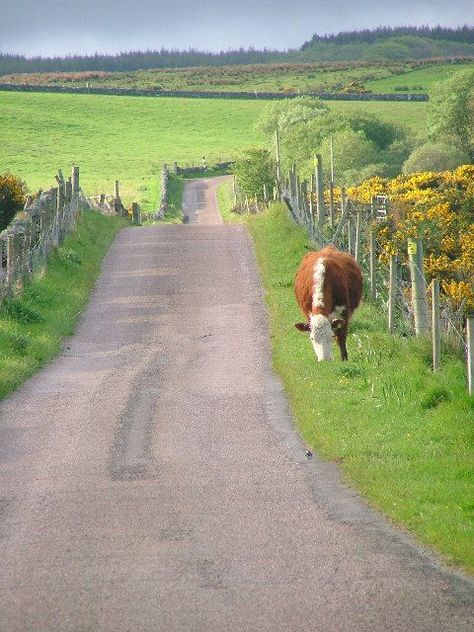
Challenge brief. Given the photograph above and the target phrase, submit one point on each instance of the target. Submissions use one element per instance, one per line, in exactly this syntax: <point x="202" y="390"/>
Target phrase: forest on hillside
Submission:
<point x="383" y="43"/>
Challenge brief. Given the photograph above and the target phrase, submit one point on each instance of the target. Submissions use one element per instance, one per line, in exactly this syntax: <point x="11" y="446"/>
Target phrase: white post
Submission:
<point x="392" y="293"/>
<point x="435" y="324"/>
<point x="470" y="354"/>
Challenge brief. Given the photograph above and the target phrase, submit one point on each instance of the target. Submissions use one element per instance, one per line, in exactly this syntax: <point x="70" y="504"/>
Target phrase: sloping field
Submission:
<point x="124" y="138"/>
<point x="129" y="138"/>
<point x="417" y="80"/>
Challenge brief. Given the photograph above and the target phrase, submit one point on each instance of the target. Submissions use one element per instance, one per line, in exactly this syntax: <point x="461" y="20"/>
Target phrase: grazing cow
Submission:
<point x="328" y="288"/>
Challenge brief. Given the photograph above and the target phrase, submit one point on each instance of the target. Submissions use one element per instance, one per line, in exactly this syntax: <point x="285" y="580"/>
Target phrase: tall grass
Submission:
<point x="401" y="434"/>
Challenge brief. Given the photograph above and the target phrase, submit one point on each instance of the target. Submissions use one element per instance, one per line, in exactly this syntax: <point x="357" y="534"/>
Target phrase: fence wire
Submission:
<point x="343" y="236"/>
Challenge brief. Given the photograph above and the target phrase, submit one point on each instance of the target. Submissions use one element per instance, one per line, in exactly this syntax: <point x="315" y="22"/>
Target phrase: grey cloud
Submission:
<point x="86" y="26"/>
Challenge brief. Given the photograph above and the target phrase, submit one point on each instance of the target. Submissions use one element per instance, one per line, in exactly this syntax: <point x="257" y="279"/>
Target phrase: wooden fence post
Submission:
<point x="311" y="193"/>
<point x="320" y="191"/>
<point x="331" y="186"/>
<point x="373" y="263"/>
<point x="349" y="235"/>
<point x="278" y="161"/>
<point x="435" y="324"/>
<point x="419" y="300"/>
<point x="136" y="214"/>
<point x="470" y="353"/>
<point x="117" y="189"/>
<point x="357" y="236"/>
<point x="234" y="190"/>
<point x="344" y="212"/>
<point x="392" y="293"/>
<point x="75" y="180"/>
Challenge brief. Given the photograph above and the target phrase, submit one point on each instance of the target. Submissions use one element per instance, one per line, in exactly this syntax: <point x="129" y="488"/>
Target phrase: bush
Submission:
<point x="253" y="171"/>
<point x="12" y="198"/>
<point x="434" y="156"/>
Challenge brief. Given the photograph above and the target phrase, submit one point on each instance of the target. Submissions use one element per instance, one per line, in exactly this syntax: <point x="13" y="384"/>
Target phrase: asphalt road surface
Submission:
<point x="151" y="479"/>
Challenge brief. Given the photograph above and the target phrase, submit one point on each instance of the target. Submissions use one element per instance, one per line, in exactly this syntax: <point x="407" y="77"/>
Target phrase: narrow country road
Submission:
<point x="151" y="479"/>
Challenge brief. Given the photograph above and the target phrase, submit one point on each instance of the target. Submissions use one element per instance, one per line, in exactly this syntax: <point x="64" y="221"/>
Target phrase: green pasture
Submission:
<point x="129" y="138"/>
<point x="417" y="80"/>
<point x="413" y="115"/>
<point x="401" y="434"/>
<point x="118" y="138"/>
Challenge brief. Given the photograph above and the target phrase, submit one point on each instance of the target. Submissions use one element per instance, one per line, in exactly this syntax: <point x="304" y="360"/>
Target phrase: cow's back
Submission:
<point x="342" y="280"/>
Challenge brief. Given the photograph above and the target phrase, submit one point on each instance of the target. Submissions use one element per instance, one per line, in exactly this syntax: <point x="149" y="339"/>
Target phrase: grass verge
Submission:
<point x="33" y="325"/>
<point x="401" y="434"/>
<point x="225" y="202"/>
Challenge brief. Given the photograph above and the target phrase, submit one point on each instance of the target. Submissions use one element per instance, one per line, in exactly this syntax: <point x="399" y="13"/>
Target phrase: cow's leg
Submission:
<point x="341" y="336"/>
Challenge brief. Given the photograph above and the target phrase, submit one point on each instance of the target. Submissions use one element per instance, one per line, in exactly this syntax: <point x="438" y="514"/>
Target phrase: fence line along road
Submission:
<point x="28" y="241"/>
<point x="400" y="289"/>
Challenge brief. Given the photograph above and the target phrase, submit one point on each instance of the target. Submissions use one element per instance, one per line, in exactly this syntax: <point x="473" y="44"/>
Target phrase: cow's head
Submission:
<point x="321" y="331"/>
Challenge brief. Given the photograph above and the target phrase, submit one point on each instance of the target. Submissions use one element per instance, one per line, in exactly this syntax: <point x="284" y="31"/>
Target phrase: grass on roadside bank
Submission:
<point x="225" y="202"/>
<point x="33" y="325"/>
<point x="402" y="435"/>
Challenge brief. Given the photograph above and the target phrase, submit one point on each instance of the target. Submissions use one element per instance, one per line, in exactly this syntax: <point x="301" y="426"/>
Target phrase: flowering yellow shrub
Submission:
<point x="438" y="208"/>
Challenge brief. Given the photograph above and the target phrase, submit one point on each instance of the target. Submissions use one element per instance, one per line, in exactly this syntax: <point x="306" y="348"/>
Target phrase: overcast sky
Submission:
<point x="58" y="27"/>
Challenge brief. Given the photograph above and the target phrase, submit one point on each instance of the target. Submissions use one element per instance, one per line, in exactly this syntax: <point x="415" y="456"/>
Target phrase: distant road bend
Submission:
<point x="151" y="479"/>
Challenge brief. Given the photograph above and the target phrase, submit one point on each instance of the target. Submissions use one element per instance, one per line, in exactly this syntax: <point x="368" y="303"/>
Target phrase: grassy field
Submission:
<point x="32" y="326"/>
<point x="124" y="138"/>
<point x="320" y="77"/>
<point x="401" y="434"/>
<point x="417" y="80"/>
<point x="129" y="138"/>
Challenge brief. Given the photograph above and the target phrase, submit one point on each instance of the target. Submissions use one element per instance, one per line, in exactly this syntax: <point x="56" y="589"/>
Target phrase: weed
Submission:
<point x="20" y="311"/>
<point x="434" y="397"/>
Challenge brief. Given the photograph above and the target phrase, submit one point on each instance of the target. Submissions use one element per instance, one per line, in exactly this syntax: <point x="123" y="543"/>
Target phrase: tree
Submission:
<point x="254" y="170"/>
<point x="282" y="115"/>
<point x="12" y="197"/>
<point x="451" y="111"/>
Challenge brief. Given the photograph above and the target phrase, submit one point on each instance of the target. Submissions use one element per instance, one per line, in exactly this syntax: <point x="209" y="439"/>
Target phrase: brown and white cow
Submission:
<point x="328" y="288"/>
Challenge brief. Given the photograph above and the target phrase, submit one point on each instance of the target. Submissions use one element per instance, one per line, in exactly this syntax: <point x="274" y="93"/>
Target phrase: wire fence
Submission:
<point x="395" y="282"/>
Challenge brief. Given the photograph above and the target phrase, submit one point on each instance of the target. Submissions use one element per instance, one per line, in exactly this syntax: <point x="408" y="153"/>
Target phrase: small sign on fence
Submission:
<point x="412" y="247"/>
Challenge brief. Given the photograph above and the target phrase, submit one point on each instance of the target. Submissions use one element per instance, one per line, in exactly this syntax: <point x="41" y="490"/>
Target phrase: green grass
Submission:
<point x="33" y="325"/>
<point x="225" y="202"/>
<point x="118" y="138"/>
<point x="129" y="138"/>
<point x="401" y="434"/>
<point x="418" y="80"/>
<point x="413" y="115"/>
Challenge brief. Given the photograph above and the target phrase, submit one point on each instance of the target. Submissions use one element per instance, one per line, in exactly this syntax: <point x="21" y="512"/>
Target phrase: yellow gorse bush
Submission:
<point x="439" y="208"/>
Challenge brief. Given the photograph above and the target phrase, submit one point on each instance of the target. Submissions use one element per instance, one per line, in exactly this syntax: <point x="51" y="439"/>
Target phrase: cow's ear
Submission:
<point x="302" y="326"/>
<point x="337" y="323"/>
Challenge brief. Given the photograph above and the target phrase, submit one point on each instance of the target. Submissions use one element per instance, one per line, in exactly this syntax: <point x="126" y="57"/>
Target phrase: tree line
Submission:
<point x="464" y="34"/>
<point x="384" y="43"/>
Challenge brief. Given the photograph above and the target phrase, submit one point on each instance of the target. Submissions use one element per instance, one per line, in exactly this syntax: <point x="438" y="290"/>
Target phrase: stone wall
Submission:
<point x="329" y="96"/>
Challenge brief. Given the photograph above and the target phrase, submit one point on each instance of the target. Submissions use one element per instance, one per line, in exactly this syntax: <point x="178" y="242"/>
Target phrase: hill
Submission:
<point x="403" y="43"/>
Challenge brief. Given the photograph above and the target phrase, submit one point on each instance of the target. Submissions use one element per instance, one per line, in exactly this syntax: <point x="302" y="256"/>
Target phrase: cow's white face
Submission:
<point x="321" y="333"/>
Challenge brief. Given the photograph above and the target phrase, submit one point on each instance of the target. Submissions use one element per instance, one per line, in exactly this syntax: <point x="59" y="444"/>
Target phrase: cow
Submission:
<point x="328" y="288"/>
